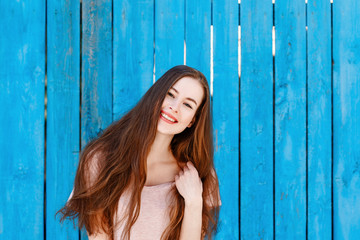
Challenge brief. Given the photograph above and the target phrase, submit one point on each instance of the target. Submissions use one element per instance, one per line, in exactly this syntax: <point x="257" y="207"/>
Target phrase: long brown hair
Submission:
<point x="121" y="152"/>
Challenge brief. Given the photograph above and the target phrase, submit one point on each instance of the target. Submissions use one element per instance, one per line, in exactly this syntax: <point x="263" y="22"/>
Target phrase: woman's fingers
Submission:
<point x="189" y="184"/>
<point x="189" y="168"/>
<point x="190" y="165"/>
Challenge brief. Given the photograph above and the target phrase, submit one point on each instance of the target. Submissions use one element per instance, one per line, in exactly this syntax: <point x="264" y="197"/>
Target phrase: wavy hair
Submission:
<point x="121" y="152"/>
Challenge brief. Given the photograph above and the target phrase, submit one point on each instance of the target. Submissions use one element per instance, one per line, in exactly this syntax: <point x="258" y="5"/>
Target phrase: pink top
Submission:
<point x="153" y="218"/>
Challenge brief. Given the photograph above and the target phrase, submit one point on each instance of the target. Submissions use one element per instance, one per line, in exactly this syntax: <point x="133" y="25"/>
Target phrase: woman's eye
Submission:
<point x="170" y="94"/>
<point x="188" y="105"/>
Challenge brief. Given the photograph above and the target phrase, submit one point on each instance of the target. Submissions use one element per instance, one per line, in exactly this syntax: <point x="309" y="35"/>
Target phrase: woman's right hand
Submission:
<point x="189" y="184"/>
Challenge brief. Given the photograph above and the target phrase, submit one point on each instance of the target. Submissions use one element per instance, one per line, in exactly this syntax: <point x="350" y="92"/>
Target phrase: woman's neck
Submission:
<point x="161" y="165"/>
<point x="160" y="149"/>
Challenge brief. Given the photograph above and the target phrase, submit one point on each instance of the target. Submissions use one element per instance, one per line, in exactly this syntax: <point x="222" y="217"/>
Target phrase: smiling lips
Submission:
<point x="167" y="117"/>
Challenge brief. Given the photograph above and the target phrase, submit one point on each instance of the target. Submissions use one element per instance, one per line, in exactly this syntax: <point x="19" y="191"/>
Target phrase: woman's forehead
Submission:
<point x="189" y="87"/>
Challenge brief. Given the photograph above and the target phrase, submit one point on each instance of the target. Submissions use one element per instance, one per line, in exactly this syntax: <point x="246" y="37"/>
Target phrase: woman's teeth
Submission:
<point x="167" y="117"/>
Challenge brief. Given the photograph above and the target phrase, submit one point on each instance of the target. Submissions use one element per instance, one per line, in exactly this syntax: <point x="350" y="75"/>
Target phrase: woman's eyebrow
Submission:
<point x="190" y="99"/>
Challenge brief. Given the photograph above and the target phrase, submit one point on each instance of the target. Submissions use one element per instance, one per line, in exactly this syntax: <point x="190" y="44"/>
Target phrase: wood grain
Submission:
<point x="226" y="114"/>
<point x="346" y="130"/>
<point x="319" y="119"/>
<point x="133" y="48"/>
<point x="169" y="35"/>
<point x="256" y="120"/>
<point x="96" y="70"/>
<point x="197" y="35"/>
<point x="63" y="117"/>
<point x="22" y="134"/>
<point x="290" y="120"/>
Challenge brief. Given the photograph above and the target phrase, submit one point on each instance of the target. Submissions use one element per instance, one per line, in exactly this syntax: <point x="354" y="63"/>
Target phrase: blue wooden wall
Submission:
<point x="285" y="81"/>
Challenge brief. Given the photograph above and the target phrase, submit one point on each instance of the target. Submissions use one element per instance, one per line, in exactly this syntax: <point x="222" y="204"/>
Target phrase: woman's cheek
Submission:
<point x="189" y="118"/>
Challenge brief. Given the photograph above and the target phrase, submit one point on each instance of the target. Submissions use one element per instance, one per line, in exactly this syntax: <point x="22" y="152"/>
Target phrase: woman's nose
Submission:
<point x="174" y="107"/>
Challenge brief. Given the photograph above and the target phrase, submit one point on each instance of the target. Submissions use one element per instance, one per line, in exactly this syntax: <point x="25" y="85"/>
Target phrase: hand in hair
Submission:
<point x="189" y="185"/>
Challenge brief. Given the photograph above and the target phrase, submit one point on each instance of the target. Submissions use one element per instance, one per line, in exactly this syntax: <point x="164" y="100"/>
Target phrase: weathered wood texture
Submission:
<point x="226" y="113"/>
<point x="256" y="120"/>
<point x="96" y="70"/>
<point x="63" y="120"/>
<point x="319" y="119"/>
<point x="22" y="136"/>
<point x="286" y="136"/>
<point x="133" y="50"/>
<point x="346" y="113"/>
<point x="197" y="35"/>
<point x="169" y="35"/>
<point x="290" y="120"/>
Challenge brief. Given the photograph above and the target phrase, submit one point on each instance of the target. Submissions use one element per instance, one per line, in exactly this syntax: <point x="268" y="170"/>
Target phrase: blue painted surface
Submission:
<point x="197" y="35"/>
<point x="256" y="121"/>
<point x="22" y="88"/>
<point x="124" y="43"/>
<point x="133" y="49"/>
<point x="346" y="125"/>
<point x="290" y="120"/>
<point x="96" y="70"/>
<point x="63" y="120"/>
<point x="169" y="35"/>
<point x="319" y="120"/>
<point x="226" y="114"/>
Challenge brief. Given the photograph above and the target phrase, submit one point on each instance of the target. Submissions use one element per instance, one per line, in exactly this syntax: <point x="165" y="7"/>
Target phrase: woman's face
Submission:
<point x="180" y="105"/>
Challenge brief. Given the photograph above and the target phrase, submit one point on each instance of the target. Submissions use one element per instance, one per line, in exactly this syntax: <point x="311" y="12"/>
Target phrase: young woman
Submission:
<point x="150" y="175"/>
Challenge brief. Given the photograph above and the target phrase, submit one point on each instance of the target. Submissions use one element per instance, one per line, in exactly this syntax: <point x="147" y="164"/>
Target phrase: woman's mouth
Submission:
<point x="167" y="118"/>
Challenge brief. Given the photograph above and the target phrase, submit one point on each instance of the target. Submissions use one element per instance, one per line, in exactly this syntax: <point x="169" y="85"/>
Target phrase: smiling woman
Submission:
<point x="150" y="175"/>
<point x="180" y="105"/>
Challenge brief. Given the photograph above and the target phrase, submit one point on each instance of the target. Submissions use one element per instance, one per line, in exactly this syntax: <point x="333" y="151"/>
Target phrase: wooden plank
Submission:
<point x="226" y="113"/>
<point x="96" y="78"/>
<point x="133" y="52"/>
<point x="256" y="120"/>
<point x="346" y="55"/>
<point x="197" y="35"/>
<point x="290" y="120"/>
<point x="96" y="98"/>
<point x="63" y="120"/>
<point x="319" y="119"/>
<point x="169" y="35"/>
<point x="22" y="94"/>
